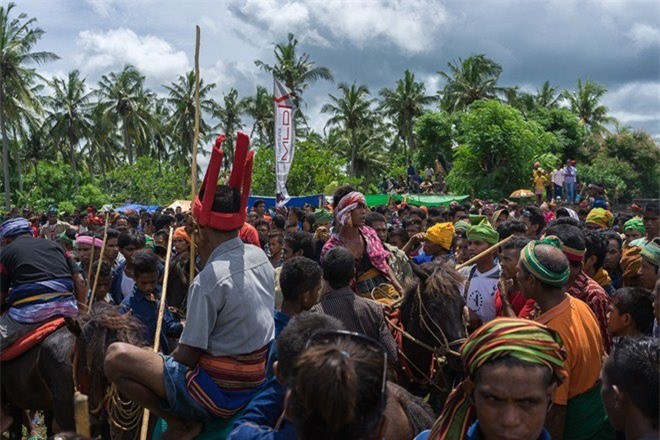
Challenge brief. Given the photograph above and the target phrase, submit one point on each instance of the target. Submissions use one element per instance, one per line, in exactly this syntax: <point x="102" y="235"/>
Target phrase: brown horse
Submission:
<point x="43" y="377"/>
<point x="431" y="317"/>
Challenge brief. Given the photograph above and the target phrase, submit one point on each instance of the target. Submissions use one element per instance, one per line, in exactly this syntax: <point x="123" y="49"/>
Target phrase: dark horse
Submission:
<point x="431" y="315"/>
<point x="42" y="378"/>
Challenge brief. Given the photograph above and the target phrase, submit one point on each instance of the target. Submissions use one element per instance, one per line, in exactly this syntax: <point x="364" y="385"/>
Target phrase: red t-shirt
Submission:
<point x="521" y="306"/>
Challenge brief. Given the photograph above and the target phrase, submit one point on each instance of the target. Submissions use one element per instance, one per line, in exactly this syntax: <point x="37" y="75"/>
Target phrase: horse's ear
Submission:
<point x="73" y="325"/>
<point x="420" y="272"/>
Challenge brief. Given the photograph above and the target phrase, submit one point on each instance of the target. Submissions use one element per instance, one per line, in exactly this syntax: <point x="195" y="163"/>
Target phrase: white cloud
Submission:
<point x="411" y="25"/>
<point x="102" y="7"/>
<point x="153" y="56"/>
<point x="644" y="36"/>
<point x="636" y="104"/>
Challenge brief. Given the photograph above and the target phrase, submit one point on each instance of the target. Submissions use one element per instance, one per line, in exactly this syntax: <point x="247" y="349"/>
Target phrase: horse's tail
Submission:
<point x="419" y="413"/>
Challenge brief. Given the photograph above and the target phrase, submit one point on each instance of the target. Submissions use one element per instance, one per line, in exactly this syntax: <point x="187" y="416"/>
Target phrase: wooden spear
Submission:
<point x="98" y="266"/>
<point x="193" y="179"/>
<point x="159" y="323"/>
<point x="486" y="252"/>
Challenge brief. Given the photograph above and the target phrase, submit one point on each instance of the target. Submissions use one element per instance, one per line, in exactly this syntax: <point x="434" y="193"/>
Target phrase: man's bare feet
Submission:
<point x="181" y="430"/>
<point x="5" y="420"/>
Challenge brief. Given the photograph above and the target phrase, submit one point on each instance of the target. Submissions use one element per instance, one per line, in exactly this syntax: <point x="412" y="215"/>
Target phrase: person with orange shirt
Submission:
<point x="577" y="410"/>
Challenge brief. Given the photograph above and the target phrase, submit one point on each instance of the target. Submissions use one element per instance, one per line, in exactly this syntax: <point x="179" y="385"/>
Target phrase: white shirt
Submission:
<point x="481" y="293"/>
<point x="558" y="177"/>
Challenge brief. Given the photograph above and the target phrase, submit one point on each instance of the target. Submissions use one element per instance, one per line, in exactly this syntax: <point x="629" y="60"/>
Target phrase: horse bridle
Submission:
<point x="445" y="344"/>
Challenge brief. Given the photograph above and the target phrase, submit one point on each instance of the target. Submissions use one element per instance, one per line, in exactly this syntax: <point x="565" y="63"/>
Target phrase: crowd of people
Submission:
<point x="282" y="331"/>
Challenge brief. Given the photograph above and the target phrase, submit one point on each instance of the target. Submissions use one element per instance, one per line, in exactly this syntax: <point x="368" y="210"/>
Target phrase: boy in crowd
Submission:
<point x="509" y="300"/>
<point x="484" y="275"/>
<point x="275" y="246"/>
<point x="124" y="279"/>
<point x="631" y="312"/>
<point x="631" y="388"/>
<point x="300" y="281"/>
<point x="144" y="300"/>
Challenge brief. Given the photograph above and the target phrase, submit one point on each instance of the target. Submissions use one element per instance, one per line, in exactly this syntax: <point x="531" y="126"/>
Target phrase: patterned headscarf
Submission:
<point x="601" y="217"/>
<point x="14" y="227"/>
<point x="441" y="234"/>
<point x="483" y="232"/>
<point x="651" y="252"/>
<point x="635" y="223"/>
<point x="522" y="339"/>
<point x="534" y="266"/>
<point x="346" y="205"/>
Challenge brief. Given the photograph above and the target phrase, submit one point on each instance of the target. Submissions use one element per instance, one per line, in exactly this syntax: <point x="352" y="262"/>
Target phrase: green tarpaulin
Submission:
<point x="414" y="199"/>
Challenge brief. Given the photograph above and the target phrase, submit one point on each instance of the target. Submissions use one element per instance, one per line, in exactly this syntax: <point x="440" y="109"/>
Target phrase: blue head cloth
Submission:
<point x="14" y="227"/>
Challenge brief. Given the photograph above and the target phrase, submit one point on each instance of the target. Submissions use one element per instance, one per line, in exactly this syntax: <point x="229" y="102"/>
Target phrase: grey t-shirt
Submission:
<point x="231" y="302"/>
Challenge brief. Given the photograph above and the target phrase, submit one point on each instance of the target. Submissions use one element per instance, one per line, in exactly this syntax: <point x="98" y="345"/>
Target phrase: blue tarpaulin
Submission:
<point x="313" y="200"/>
<point x="136" y="207"/>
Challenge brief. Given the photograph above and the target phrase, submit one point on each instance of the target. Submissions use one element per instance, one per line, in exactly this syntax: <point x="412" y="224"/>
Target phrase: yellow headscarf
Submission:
<point x="601" y="217"/>
<point x="441" y="234"/>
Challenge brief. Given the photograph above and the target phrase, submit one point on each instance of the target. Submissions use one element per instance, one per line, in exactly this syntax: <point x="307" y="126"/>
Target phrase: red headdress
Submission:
<point x="240" y="178"/>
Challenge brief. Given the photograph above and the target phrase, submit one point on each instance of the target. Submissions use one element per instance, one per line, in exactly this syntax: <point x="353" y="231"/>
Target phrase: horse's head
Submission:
<point x="94" y="332"/>
<point x="435" y="302"/>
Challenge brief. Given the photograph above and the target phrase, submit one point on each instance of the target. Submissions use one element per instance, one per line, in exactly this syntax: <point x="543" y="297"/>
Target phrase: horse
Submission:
<point x="431" y="332"/>
<point x="45" y="377"/>
<point x="407" y="415"/>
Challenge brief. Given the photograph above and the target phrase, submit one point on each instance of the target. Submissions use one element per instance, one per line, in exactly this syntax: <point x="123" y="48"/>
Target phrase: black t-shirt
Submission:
<point x="28" y="259"/>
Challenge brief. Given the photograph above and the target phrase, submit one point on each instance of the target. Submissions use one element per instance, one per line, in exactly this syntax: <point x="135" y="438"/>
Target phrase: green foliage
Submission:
<point x="615" y="175"/>
<point x="566" y="128"/>
<point x="148" y="182"/>
<point x="313" y="170"/>
<point x="433" y="131"/>
<point x="496" y="150"/>
<point x="634" y="158"/>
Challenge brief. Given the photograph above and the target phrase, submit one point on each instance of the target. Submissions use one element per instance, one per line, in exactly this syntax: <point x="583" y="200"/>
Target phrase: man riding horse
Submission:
<point x="38" y="283"/>
<point x="220" y="362"/>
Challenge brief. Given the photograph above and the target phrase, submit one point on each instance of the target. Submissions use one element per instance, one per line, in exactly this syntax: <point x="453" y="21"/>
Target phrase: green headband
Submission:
<point x="651" y="252"/>
<point x="532" y="264"/>
<point x="149" y="243"/>
<point x="635" y="223"/>
<point x="65" y="239"/>
<point x="323" y="216"/>
<point x="461" y="225"/>
<point x="483" y="232"/>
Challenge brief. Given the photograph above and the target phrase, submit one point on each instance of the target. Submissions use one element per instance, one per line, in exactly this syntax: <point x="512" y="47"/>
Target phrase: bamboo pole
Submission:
<point x="159" y="323"/>
<point x="98" y="266"/>
<point x="81" y="412"/>
<point x="91" y="259"/>
<point x="193" y="179"/>
<point x="484" y="253"/>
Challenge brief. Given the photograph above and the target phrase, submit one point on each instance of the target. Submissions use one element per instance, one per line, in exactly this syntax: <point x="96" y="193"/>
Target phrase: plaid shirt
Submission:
<point x="589" y="291"/>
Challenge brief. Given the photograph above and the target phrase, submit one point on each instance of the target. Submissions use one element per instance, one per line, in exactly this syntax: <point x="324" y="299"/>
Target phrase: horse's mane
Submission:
<point x="419" y="413"/>
<point x="98" y="330"/>
<point x="439" y="277"/>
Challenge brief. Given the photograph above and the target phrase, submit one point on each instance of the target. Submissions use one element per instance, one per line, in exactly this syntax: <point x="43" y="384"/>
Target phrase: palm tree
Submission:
<point x="547" y="96"/>
<point x="469" y="80"/>
<point x="296" y="72"/>
<point x="18" y="36"/>
<point x="68" y="114"/>
<point x="351" y="112"/>
<point x="229" y="115"/>
<point x="261" y="109"/>
<point x="585" y="103"/>
<point x="182" y="118"/>
<point x="123" y="96"/>
<point x="102" y="142"/>
<point x="404" y="104"/>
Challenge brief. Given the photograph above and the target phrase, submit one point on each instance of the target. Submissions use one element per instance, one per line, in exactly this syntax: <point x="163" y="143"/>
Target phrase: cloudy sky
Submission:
<point x="616" y="43"/>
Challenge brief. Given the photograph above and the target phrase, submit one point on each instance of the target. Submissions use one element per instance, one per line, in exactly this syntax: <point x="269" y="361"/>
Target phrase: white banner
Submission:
<point x="284" y="139"/>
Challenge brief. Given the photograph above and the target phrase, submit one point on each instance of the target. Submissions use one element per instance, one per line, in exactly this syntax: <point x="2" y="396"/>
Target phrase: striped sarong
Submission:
<point x="225" y="384"/>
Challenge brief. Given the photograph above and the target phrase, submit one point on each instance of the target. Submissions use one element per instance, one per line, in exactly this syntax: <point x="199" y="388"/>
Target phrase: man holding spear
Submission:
<point x="220" y="362"/>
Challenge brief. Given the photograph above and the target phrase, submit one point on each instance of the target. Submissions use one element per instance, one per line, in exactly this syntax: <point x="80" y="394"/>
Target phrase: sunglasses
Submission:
<point x="325" y="337"/>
